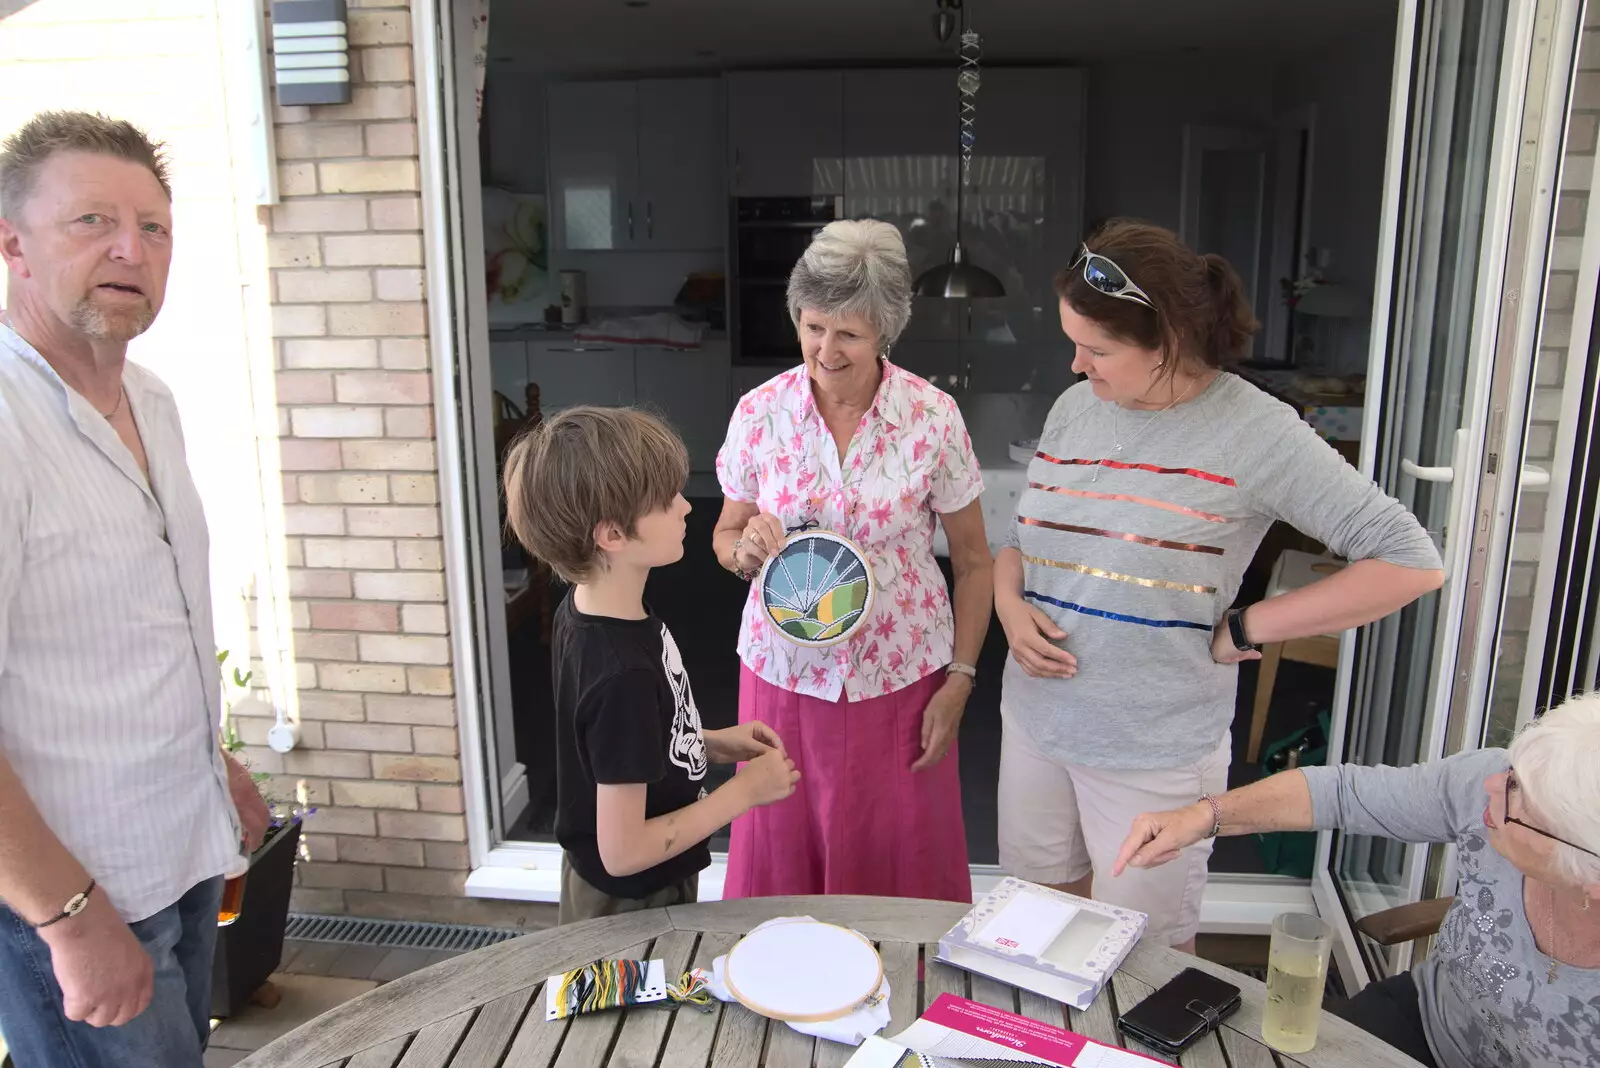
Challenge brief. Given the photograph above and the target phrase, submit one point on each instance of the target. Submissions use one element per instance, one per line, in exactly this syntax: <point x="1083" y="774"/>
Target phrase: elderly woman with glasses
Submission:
<point x="1514" y="976"/>
<point x="849" y="443"/>
<point x="1154" y="482"/>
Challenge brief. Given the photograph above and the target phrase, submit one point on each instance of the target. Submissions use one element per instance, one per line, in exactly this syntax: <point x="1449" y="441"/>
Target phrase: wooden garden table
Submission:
<point x="486" y="1009"/>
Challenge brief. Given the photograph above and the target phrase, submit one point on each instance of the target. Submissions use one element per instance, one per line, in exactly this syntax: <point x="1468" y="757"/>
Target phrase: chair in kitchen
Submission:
<point x="1292" y="570"/>
<point x="511" y="423"/>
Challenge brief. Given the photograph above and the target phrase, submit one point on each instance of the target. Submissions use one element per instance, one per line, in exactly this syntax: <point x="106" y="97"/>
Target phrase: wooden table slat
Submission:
<point x="485" y="1044"/>
<point x="644" y="1028"/>
<point x="592" y="1034"/>
<point x="1098" y="1021"/>
<point x="1045" y="1010"/>
<point x="900" y="961"/>
<point x="1126" y="993"/>
<point x="788" y="1048"/>
<point x="436" y="1044"/>
<point x="833" y="1054"/>
<point x="940" y="978"/>
<point x="383" y="1055"/>
<point x="994" y="993"/>
<point x="1245" y="1052"/>
<point x="690" y="1039"/>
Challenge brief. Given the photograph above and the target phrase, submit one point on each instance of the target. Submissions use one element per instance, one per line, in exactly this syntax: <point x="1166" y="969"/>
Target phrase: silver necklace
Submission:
<point x="1555" y="965"/>
<point x="1118" y="446"/>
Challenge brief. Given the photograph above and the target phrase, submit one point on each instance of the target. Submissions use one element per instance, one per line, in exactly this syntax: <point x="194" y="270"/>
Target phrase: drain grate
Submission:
<point x="394" y="934"/>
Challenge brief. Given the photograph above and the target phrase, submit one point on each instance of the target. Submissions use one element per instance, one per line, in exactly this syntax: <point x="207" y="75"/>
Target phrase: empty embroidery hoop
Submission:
<point x="818" y="589"/>
<point x="803" y="971"/>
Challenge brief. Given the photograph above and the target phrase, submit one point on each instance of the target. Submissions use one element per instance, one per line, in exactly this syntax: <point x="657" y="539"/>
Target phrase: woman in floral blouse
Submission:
<point x="850" y="443"/>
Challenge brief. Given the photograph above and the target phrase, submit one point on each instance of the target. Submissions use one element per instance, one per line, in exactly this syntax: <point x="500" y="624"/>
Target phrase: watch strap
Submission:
<point x="955" y="667"/>
<point x="1241" y="641"/>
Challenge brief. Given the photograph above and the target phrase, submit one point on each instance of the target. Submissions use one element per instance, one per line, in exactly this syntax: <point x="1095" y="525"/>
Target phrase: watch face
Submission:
<point x="818" y="589"/>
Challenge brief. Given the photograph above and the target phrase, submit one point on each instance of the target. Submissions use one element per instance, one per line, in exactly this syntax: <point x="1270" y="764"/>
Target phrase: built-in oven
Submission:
<point x="770" y="234"/>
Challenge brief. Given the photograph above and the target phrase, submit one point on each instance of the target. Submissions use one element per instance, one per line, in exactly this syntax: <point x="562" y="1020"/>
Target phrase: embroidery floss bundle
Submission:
<point x="604" y="984"/>
<point x="694" y="988"/>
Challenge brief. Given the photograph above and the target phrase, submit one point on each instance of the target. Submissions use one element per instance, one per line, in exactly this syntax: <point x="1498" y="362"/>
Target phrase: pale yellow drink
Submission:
<point x="1297" y="968"/>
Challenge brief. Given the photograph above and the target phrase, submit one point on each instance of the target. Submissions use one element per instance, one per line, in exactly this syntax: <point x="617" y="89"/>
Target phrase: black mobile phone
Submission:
<point x="1191" y="1004"/>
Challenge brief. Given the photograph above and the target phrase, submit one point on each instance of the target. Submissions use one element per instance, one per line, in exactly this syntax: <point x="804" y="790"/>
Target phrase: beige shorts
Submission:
<point x="1059" y="822"/>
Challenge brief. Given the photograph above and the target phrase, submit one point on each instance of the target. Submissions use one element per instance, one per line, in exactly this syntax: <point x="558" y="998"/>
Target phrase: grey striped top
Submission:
<point x="1137" y="552"/>
<point x="109" y="693"/>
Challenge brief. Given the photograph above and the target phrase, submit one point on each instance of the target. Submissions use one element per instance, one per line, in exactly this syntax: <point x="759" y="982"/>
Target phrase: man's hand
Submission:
<point x="254" y="816"/>
<point x="941" y="720"/>
<point x="105" y="975"/>
<point x="744" y="742"/>
<point x="1157" y="837"/>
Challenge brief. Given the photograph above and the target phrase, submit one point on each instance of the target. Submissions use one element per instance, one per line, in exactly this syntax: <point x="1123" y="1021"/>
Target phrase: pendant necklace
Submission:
<point x="1116" y="421"/>
<point x="1555" y="964"/>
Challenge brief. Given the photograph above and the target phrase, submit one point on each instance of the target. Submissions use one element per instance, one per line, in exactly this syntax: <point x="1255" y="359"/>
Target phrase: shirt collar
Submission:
<point x="890" y="403"/>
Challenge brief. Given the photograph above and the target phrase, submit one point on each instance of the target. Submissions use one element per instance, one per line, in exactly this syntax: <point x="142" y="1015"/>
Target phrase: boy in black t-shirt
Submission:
<point x="595" y="492"/>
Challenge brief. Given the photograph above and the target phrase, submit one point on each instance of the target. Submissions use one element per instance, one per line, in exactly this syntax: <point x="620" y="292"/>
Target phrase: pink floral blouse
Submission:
<point x="909" y="460"/>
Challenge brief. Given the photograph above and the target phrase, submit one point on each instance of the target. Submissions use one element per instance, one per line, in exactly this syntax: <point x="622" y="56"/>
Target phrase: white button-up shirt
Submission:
<point x="109" y="693"/>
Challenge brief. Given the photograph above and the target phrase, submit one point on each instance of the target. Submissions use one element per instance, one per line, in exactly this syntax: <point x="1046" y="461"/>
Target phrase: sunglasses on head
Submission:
<point x="1106" y="277"/>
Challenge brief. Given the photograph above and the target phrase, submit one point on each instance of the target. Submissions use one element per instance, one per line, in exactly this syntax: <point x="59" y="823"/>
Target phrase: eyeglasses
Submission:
<point x="1106" y="277"/>
<point x="1511" y="784"/>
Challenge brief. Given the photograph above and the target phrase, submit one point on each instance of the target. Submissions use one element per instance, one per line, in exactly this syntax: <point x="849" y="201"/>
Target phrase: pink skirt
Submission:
<point x="859" y="821"/>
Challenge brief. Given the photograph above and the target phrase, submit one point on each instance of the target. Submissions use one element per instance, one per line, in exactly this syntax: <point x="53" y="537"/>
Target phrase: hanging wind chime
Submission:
<point x="958" y="279"/>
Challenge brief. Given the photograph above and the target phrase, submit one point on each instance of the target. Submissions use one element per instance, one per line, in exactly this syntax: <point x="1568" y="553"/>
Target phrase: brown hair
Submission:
<point x="26" y="151"/>
<point x="1202" y="313"/>
<point x="587" y="466"/>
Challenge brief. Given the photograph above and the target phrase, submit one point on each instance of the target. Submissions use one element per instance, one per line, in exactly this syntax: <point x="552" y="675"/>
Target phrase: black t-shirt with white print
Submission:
<point x="624" y="714"/>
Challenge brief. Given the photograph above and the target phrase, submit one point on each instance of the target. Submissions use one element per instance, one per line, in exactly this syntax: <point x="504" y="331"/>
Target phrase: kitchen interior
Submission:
<point x="653" y="168"/>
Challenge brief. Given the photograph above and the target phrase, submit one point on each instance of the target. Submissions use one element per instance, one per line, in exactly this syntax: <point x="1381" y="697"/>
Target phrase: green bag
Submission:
<point x="1293" y="852"/>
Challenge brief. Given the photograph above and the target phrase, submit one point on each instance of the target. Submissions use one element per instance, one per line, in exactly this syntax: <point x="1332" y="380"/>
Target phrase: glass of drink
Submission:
<point x="1297" y="969"/>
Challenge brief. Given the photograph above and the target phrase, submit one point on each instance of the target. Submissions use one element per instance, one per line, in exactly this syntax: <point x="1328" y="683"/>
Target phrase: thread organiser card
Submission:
<point x="604" y="984"/>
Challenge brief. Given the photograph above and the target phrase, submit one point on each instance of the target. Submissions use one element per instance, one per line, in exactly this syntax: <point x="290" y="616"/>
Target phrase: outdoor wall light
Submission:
<point x="310" y="52"/>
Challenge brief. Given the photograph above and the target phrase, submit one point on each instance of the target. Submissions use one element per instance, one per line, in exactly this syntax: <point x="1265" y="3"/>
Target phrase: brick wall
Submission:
<point x="361" y="504"/>
<point x="1550" y="371"/>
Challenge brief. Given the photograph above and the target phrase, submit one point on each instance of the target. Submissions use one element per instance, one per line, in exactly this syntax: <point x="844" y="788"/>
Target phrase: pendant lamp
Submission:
<point x="958" y="279"/>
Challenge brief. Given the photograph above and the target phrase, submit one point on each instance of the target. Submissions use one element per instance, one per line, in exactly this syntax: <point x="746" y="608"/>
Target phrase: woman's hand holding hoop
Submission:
<point x="762" y="537"/>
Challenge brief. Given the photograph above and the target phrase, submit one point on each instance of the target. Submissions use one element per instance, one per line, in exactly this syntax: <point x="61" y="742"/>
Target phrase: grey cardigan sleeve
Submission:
<point x="1432" y="802"/>
<point x="1290" y="473"/>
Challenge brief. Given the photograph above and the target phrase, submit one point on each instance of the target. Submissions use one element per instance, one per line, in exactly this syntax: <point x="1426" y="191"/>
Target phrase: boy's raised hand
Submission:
<point x="769" y="777"/>
<point x="744" y="742"/>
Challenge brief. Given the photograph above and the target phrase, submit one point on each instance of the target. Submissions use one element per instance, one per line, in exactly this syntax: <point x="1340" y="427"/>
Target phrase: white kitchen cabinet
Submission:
<point x="691" y="390"/>
<point x="594" y="164"/>
<point x="635" y="165"/>
<point x="508" y="369"/>
<point x="786" y="133"/>
<point x="570" y="373"/>
<point x="681" y="181"/>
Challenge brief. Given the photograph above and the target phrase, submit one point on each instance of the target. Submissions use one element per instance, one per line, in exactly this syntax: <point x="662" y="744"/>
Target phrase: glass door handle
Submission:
<point x="1533" y="476"/>
<point x="1452" y="519"/>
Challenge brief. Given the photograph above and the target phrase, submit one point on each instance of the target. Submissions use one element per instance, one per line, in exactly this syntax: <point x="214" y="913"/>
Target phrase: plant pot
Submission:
<point x="249" y="948"/>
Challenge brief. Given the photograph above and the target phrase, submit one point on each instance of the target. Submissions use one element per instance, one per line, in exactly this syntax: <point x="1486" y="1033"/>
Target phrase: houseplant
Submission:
<point x="255" y="905"/>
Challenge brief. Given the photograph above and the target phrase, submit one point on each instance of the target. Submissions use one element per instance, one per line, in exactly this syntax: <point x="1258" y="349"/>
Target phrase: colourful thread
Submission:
<point x="694" y="988"/>
<point x="1117" y="616"/>
<point x="1098" y="532"/>
<point x="1118" y="465"/>
<point x="1153" y="584"/>
<point x="604" y="984"/>
<point x="1150" y="502"/>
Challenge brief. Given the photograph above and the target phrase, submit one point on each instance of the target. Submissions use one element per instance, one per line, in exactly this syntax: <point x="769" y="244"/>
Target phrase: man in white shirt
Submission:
<point x="119" y="813"/>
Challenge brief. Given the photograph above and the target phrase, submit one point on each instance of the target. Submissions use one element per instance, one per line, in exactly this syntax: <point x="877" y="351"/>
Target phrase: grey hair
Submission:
<point x="26" y="151"/>
<point x="855" y="267"/>
<point x="1554" y="758"/>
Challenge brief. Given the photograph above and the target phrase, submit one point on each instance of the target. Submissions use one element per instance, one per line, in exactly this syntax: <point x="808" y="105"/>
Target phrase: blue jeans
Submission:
<point x="170" y="1033"/>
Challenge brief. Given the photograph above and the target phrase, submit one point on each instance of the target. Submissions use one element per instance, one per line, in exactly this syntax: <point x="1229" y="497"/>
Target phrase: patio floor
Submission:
<point x="313" y="978"/>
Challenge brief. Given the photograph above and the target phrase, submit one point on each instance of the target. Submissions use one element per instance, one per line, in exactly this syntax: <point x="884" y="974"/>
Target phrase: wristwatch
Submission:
<point x="958" y="668"/>
<point x="75" y="904"/>
<point x="1236" y="631"/>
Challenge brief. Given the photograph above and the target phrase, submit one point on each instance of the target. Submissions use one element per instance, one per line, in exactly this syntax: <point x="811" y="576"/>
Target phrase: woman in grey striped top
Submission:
<point x="1154" y="483"/>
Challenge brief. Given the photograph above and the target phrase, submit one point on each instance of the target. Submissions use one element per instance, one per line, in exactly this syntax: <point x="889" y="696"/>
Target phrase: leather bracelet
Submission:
<point x="75" y="904"/>
<point x="1216" y="815"/>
